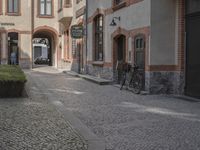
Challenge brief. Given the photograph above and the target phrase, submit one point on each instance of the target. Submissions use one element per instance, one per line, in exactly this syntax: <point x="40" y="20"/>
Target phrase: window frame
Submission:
<point x="60" y="5"/>
<point x="67" y="5"/>
<point x="64" y="4"/>
<point x="139" y="46"/>
<point x="1" y="8"/>
<point x="45" y="8"/>
<point x="17" y="13"/>
<point x="96" y="34"/>
<point x="119" y="5"/>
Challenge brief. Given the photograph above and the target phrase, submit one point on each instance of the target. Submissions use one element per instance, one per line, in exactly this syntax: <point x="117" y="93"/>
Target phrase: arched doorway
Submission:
<point x="119" y="55"/>
<point x="13" y="46"/>
<point x="139" y="56"/>
<point x="44" y="48"/>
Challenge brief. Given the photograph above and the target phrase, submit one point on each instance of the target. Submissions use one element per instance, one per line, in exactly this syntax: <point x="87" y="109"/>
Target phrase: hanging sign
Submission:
<point x="77" y="31"/>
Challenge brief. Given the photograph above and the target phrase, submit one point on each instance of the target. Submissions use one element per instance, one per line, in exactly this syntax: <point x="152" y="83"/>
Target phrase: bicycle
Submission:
<point x="131" y="78"/>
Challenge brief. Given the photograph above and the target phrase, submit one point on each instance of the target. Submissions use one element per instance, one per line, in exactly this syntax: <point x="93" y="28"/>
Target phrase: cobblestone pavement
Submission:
<point x="126" y="121"/>
<point x="34" y="124"/>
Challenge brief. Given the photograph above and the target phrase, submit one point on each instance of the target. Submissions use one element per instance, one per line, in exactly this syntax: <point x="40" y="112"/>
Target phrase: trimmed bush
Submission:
<point x="12" y="81"/>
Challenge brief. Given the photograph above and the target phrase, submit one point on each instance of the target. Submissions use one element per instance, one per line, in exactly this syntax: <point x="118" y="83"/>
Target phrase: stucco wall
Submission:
<point x="51" y="21"/>
<point x="22" y="22"/>
<point x="163" y="32"/>
<point x="132" y="17"/>
<point x="25" y="48"/>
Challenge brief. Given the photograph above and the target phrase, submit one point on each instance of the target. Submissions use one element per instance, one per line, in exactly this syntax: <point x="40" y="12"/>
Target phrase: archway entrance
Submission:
<point x="13" y="50"/>
<point x="44" y="48"/>
<point x="119" y="56"/>
<point x="193" y="48"/>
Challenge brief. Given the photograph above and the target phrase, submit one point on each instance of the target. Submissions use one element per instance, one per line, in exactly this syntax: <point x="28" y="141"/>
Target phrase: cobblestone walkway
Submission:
<point x="34" y="124"/>
<point x="126" y="121"/>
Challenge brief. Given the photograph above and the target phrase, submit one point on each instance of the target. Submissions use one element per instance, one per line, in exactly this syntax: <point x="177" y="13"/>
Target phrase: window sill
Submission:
<point x="67" y="5"/>
<point x="98" y="63"/>
<point x="119" y="6"/>
<point x="13" y="14"/>
<point x="45" y="16"/>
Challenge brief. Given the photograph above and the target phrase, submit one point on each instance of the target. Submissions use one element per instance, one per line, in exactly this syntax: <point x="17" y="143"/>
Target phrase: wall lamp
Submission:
<point x="113" y="23"/>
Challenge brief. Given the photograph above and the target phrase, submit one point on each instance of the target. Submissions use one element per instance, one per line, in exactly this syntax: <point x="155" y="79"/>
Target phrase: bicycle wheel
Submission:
<point x="122" y="81"/>
<point x="135" y="84"/>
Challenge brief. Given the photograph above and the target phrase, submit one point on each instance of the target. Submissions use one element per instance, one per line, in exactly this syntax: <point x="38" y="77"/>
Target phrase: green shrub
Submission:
<point x="11" y="73"/>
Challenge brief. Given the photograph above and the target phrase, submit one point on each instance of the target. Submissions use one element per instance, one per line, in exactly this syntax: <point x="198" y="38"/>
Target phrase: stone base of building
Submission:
<point x="25" y="63"/>
<point x="64" y="65"/>
<point x="165" y="82"/>
<point x="4" y="61"/>
<point x="160" y="82"/>
<point x="102" y="72"/>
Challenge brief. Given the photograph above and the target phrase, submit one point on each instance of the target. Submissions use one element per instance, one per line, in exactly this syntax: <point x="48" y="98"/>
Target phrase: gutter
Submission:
<point x="32" y="30"/>
<point x="86" y="47"/>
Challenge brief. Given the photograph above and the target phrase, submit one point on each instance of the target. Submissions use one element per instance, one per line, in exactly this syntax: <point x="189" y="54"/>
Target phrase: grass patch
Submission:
<point x="11" y="73"/>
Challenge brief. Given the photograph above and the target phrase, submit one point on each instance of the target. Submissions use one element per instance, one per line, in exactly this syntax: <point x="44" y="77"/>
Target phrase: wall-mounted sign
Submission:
<point x="7" y="24"/>
<point x="77" y="31"/>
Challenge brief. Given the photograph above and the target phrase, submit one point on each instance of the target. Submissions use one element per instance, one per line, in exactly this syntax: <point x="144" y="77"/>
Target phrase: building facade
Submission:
<point x="160" y="36"/>
<point x="150" y="33"/>
<point x="25" y="25"/>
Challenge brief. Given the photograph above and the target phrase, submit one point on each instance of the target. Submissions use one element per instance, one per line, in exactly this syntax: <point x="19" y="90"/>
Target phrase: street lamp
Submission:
<point x="113" y="23"/>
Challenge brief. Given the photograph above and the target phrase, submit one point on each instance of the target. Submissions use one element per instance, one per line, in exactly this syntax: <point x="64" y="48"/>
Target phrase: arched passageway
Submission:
<point x="44" y="47"/>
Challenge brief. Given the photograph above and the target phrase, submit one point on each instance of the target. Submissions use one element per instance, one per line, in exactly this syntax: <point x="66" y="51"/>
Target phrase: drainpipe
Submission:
<point x="0" y="49"/>
<point x="32" y="30"/>
<point x="86" y="47"/>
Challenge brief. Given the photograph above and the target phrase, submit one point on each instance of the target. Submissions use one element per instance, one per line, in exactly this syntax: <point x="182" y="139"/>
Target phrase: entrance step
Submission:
<point x="93" y="79"/>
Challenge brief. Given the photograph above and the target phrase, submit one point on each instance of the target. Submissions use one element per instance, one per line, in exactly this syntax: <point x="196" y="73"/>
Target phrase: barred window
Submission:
<point x="98" y="37"/>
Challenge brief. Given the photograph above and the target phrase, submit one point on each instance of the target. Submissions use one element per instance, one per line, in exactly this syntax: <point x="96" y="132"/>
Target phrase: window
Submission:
<point x="67" y="3"/>
<point x="46" y="7"/>
<point x="60" y="4"/>
<point x="64" y="3"/>
<point x="117" y="2"/>
<point x="78" y="1"/>
<point x="12" y="6"/>
<point x="0" y="7"/>
<point x="98" y="37"/>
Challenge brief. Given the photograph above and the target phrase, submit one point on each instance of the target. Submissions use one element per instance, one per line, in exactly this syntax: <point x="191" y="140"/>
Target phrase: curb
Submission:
<point x="94" y="143"/>
<point x="96" y="80"/>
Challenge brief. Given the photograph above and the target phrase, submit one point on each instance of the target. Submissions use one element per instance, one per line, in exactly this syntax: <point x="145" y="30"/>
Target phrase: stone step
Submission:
<point x="93" y="79"/>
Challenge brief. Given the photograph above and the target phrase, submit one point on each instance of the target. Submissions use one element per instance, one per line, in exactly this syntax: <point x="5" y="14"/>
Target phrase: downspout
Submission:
<point x="0" y="49"/>
<point x="86" y="46"/>
<point x="32" y="30"/>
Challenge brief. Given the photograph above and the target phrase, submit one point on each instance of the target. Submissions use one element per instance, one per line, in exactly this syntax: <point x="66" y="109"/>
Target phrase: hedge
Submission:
<point x="12" y="80"/>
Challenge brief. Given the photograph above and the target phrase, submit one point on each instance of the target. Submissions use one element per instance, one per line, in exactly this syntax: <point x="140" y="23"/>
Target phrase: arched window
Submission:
<point x="98" y="38"/>
<point x="45" y="7"/>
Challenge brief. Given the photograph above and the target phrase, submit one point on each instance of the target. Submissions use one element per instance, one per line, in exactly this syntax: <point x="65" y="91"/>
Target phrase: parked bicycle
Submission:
<point x="131" y="78"/>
